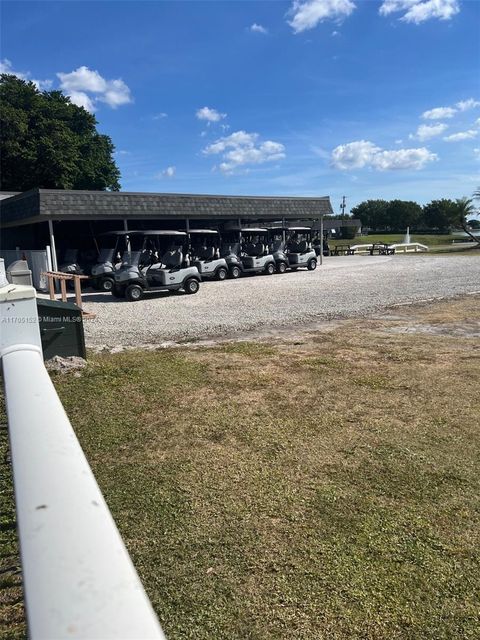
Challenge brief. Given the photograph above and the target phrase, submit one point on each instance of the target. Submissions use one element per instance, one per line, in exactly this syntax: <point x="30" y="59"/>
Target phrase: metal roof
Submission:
<point x="203" y="231"/>
<point x="56" y="204"/>
<point x="162" y="232"/>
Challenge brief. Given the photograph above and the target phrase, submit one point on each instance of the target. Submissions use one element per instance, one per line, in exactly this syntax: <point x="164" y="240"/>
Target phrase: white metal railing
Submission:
<point x="400" y="246"/>
<point x="79" y="581"/>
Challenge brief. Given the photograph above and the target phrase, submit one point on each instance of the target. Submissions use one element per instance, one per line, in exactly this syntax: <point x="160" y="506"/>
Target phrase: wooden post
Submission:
<point x="78" y="291"/>
<point x="63" y="288"/>
<point x="51" y="287"/>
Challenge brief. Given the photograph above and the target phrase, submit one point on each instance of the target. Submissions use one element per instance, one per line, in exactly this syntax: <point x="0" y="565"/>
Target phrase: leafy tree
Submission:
<point x="440" y="214"/>
<point x="48" y="142"/>
<point x="466" y="208"/>
<point x="401" y="214"/>
<point x="372" y="213"/>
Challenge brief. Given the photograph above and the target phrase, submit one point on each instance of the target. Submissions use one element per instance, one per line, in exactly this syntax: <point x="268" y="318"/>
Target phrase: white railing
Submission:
<point x="408" y="246"/>
<point x="400" y="246"/>
<point x="79" y="581"/>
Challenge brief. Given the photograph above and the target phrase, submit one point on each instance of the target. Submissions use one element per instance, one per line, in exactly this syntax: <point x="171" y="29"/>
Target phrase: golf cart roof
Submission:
<point x="251" y="229"/>
<point x="118" y="233"/>
<point x="298" y="228"/>
<point x="163" y="232"/>
<point x="204" y="231"/>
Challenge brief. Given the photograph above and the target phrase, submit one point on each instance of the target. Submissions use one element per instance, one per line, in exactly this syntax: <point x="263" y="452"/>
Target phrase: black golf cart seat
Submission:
<point x="173" y="258"/>
<point x="206" y="253"/>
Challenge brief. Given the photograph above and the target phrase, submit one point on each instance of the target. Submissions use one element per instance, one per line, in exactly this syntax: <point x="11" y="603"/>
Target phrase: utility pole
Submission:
<point x="343" y="206"/>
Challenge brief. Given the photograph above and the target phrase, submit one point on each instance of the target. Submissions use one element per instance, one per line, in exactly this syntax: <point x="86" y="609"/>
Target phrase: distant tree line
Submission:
<point x="440" y="216"/>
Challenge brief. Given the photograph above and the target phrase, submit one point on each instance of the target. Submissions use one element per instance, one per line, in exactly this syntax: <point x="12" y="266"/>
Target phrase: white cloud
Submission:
<point x="335" y="33"/>
<point x="79" y="83"/>
<point x="306" y="15"/>
<point x="418" y="11"/>
<point x="7" y="67"/>
<point x="439" y="113"/>
<point x="465" y="105"/>
<point x="169" y="172"/>
<point x="81" y="99"/>
<point x="257" y="28"/>
<point x="462" y="135"/>
<point x="242" y="148"/>
<point x="426" y="131"/>
<point x="160" y="116"/>
<point x="362" y="153"/>
<point x="210" y="115"/>
<point x="476" y="153"/>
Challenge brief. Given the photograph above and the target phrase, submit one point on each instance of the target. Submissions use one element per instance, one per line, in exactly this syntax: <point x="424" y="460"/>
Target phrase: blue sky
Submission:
<point x="326" y="97"/>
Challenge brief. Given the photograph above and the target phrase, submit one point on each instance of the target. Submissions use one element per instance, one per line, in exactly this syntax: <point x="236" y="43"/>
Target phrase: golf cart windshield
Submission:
<point x="131" y="258"/>
<point x="106" y="255"/>
<point x="229" y="248"/>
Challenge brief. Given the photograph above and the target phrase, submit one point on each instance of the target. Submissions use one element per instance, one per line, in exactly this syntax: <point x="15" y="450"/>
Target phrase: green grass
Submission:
<point x="326" y="488"/>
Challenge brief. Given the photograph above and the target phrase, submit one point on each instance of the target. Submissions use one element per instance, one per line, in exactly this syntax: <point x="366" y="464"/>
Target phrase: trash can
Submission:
<point x="61" y="329"/>
<point x="19" y="273"/>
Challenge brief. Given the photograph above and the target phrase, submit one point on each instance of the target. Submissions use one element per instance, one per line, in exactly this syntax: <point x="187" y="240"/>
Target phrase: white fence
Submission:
<point x="79" y="581"/>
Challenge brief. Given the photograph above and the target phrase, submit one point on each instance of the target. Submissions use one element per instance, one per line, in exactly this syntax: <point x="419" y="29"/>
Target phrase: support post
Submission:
<point x="321" y="239"/>
<point x="52" y="245"/>
<point x="284" y="233"/>
<point x="125" y="225"/>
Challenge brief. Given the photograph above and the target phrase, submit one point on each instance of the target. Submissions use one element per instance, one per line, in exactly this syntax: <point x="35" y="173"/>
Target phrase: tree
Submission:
<point x="440" y="214"/>
<point x="466" y="208"/>
<point x="473" y="224"/>
<point x="372" y="213"/>
<point x="401" y="214"/>
<point x="48" y="142"/>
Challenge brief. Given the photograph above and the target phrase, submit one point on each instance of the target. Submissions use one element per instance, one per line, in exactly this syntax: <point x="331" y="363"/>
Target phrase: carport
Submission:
<point x="60" y="219"/>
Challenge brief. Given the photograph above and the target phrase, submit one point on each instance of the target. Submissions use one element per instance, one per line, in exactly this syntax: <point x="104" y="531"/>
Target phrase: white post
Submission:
<point x="321" y="239"/>
<point x="52" y="245"/>
<point x="125" y="225"/>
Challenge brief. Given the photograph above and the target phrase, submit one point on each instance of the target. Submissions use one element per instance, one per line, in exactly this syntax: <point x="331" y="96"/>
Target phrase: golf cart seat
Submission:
<point x="302" y="247"/>
<point x="206" y="253"/>
<point x="293" y="247"/>
<point x="255" y="250"/>
<point x="173" y="258"/>
<point x="278" y="245"/>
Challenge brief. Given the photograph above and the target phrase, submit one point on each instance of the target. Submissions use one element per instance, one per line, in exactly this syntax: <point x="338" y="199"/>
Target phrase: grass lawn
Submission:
<point x="325" y="486"/>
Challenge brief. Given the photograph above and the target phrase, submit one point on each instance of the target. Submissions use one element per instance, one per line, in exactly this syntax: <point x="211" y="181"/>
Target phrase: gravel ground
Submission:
<point x="343" y="287"/>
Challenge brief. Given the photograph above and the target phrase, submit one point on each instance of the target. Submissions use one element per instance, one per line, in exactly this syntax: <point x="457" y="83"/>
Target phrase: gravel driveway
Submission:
<point x="342" y="287"/>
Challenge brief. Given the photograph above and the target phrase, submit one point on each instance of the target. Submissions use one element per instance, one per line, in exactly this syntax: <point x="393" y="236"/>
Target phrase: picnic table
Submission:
<point x="343" y="250"/>
<point x="382" y="249"/>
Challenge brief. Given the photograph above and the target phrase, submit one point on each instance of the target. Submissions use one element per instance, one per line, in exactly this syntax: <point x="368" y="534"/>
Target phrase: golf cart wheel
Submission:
<point x="134" y="292"/>
<point x="107" y="284"/>
<point x="191" y="286"/>
<point x="281" y="267"/>
<point x="221" y="274"/>
<point x="270" y="269"/>
<point x="312" y="264"/>
<point x="235" y="272"/>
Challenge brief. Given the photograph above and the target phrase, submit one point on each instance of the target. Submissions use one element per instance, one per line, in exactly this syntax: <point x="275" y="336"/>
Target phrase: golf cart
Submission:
<point x="156" y="261"/>
<point x="205" y="254"/>
<point x="78" y="263"/>
<point x="299" y="248"/>
<point x="248" y="252"/>
<point x="113" y="244"/>
<point x="278" y="248"/>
